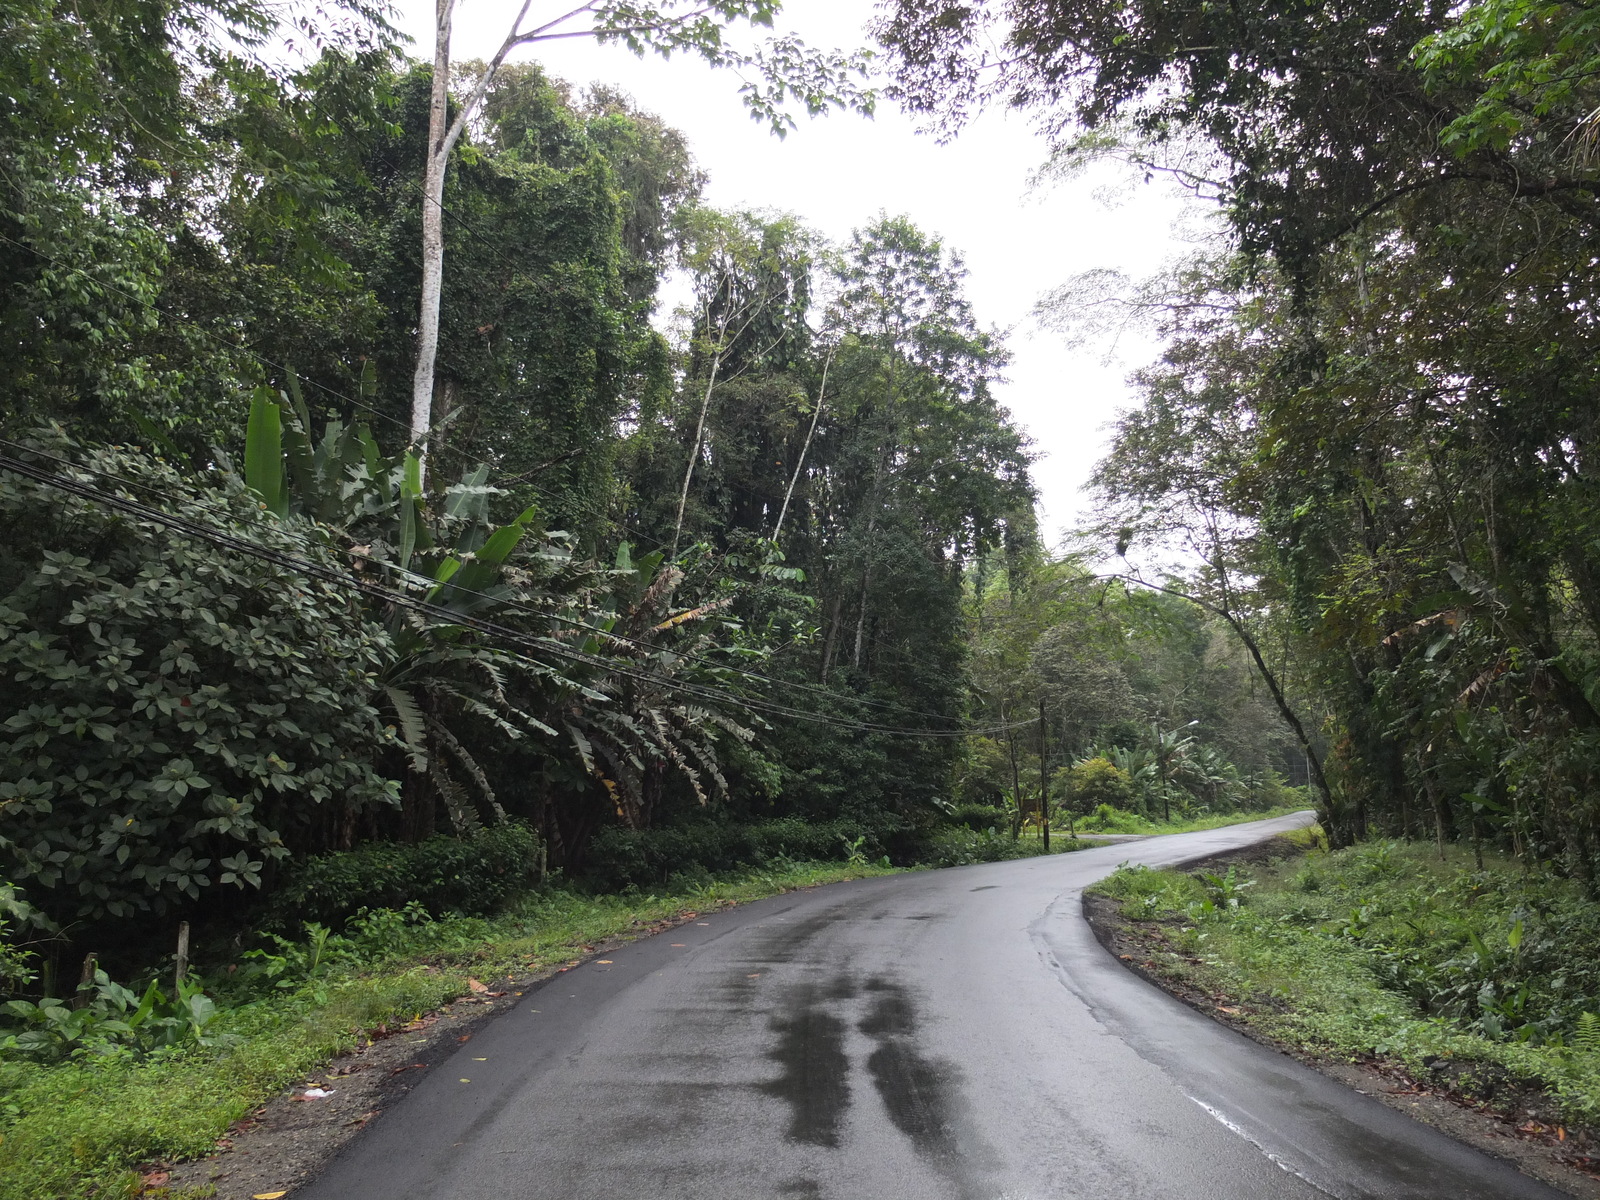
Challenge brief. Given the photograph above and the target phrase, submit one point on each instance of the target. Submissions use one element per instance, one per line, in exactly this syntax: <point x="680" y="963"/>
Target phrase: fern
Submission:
<point x="1586" y="1036"/>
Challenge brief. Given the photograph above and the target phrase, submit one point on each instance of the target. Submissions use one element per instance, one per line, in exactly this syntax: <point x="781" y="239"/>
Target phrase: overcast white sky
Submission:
<point x="836" y="173"/>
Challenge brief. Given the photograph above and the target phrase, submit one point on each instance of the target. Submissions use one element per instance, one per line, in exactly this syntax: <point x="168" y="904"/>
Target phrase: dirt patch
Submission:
<point x="286" y="1142"/>
<point x="1496" y="1116"/>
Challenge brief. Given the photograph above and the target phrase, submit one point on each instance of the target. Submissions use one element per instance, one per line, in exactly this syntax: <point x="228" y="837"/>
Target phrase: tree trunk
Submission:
<point x="830" y="641"/>
<point x="1016" y="779"/>
<point x="694" y="450"/>
<point x="816" y="414"/>
<point x="438" y="159"/>
<point x="861" y="616"/>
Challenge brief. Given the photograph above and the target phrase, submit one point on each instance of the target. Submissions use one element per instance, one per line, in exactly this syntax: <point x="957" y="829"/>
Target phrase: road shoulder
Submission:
<point x="1520" y="1138"/>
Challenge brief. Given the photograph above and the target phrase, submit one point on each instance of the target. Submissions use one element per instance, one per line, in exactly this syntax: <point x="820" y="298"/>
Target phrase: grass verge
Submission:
<point x="1480" y="982"/>
<point x="81" y="1128"/>
<point x="1123" y="822"/>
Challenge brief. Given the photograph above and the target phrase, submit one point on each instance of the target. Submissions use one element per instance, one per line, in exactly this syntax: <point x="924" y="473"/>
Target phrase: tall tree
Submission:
<point x="784" y="68"/>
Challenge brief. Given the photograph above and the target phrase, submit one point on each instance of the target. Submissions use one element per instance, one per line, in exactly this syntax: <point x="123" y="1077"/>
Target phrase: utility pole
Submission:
<point x="1016" y="780"/>
<point x="1044" y="782"/>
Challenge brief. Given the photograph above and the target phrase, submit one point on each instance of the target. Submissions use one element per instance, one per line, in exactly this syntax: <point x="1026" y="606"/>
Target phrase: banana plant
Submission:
<point x="654" y="664"/>
<point x="454" y="558"/>
<point x="619" y="681"/>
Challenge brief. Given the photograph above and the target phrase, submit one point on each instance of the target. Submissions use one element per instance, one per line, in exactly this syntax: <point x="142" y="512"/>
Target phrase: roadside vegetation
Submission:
<point x="1110" y="820"/>
<point x="376" y="562"/>
<point x="128" y="1079"/>
<point x="1478" y="978"/>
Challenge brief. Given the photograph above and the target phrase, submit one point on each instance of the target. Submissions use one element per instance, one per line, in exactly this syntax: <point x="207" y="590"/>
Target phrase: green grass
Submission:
<point x="1483" y="981"/>
<point x="1125" y="822"/>
<point x="81" y="1127"/>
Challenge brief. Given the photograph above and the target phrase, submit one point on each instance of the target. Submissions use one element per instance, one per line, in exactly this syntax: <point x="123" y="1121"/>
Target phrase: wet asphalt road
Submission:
<point x="946" y="1034"/>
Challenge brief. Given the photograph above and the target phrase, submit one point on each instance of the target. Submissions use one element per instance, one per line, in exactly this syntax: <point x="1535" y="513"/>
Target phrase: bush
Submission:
<point x="980" y="817"/>
<point x="645" y="858"/>
<point x="16" y="961"/>
<point x="1098" y="782"/>
<point x="176" y="715"/>
<point x="471" y="875"/>
<point x="962" y="847"/>
<point x="1106" y="819"/>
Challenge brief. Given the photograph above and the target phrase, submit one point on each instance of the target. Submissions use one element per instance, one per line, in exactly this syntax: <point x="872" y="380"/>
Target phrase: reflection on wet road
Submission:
<point x="947" y="1035"/>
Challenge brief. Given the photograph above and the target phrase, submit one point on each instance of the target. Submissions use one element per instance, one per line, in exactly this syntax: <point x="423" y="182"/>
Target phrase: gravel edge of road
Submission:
<point x="1465" y="1120"/>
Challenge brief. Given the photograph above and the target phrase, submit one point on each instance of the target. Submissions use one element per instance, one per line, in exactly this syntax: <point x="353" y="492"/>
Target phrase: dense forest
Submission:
<point x="1370" y="436"/>
<point x="764" y="570"/>
<point x="382" y="547"/>
<point x="617" y="593"/>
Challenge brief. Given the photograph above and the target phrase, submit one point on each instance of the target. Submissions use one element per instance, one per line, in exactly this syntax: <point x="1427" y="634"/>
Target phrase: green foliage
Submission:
<point x="81" y="1127"/>
<point x="979" y="817"/>
<point x="963" y="847"/>
<point x="1380" y="471"/>
<point x="474" y="875"/>
<point x="106" y="1017"/>
<point x="179" y="716"/>
<point x="1108" y="819"/>
<point x="1489" y="975"/>
<point x="16" y="960"/>
<point x="1097" y="783"/>
<point x="619" y="859"/>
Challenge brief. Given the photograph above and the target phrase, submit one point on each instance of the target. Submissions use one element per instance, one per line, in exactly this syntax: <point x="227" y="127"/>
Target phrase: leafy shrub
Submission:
<point x="962" y="847"/>
<point x="109" y="1016"/>
<point x="622" y="858"/>
<point x="1106" y="819"/>
<point x="176" y="714"/>
<point x="16" y="961"/>
<point x="980" y="817"/>
<point x="1097" y="782"/>
<point x="469" y="875"/>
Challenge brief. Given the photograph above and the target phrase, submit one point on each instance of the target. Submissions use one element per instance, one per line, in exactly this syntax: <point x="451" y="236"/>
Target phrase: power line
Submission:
<point x="342" y="579"/>
<point x="430" y="582"/>
<point x="363" y="406"/>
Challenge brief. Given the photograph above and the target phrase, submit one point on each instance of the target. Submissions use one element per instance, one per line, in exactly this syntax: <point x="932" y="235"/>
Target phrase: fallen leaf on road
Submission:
<point x="466" y="1081"/>
<point x="677" y="945"/>
<point x="603" y="961"/>
<point x="269" y="1195"/>
<point x="477" y="987"/>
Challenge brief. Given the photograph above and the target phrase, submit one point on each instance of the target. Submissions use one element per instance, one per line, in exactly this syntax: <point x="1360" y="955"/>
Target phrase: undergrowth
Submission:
<point x="1106" y="819"/>
<point x="1484" y="981"/>
<point x="81" y="1126"/>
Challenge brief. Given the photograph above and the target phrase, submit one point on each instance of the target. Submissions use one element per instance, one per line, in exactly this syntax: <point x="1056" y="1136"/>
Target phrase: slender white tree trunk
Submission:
<point x="816" y="413"/>
<point x="438" y="158"/>
<point x="694" y="451"/>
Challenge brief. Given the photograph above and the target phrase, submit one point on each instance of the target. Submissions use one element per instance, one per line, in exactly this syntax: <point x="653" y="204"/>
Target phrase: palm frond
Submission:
<point x="411" y="725"/>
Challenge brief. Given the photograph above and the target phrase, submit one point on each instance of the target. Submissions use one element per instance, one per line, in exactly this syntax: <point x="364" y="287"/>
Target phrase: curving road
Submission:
<point x="939" y="1034"/>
